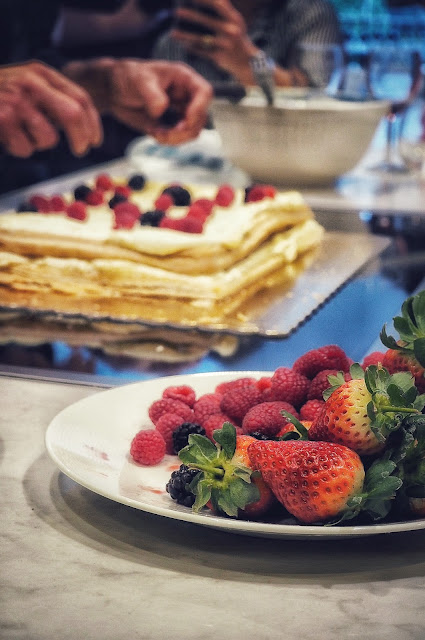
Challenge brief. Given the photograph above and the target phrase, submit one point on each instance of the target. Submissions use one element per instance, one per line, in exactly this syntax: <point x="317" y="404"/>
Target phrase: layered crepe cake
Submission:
<point x="191" y="258"/>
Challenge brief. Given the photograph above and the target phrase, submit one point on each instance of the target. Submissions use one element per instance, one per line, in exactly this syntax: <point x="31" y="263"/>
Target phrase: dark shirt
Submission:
<point x="281" y="26"/>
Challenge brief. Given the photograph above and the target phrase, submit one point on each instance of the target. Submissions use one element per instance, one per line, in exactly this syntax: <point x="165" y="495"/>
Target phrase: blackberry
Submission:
<point x="258" y="435"/>
<point x="178" y="485"/>
<point x="180" y="195"/>
<point x="81" y="192"/>
<point x="25" y="207"/>
<point x="116" y="199"/>
<point x="182" y="433"/>
<point x="170" y="118"/>
<point x="152" y="218"/>
<point x="137" y="182"/>
<point x="247" y="190"/>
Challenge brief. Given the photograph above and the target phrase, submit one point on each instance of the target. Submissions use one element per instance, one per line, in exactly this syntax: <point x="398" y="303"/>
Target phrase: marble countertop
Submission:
<point x="75" y="565"/>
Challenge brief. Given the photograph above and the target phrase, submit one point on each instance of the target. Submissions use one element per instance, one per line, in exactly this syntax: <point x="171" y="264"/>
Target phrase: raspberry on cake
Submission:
<point x="139" y="250"/>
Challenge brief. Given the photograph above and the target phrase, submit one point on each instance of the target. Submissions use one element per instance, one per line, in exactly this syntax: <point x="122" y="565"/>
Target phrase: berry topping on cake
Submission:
<point x="148" y="447"/>
<point x="116" y="199"/>
<point x="40" y="202"/>
<point x="57" y="203"/>
<point x="164" y="202"/>
<point x="126" y="214"/>
<point x="225" y="195"/>
<point x="188" y="224"/>
<point x="259" y="192"/>
<point x="152" y="218"/>
<point x="26" y="207"/>
<point x="178" y="485"/>
<point x="123" y="190"/>
<point x="137" y="182"/>
<point x="180" y="195"/>
<point x="205" y="204"/>
<point x="81" y="192"/>
<point x="104" y="182"/>
<point x="95" y="197"/>
<point x="77" y="210"/>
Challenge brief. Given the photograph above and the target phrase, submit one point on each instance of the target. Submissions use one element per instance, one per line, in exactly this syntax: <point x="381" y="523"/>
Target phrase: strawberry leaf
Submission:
<point x="418" y="310"/>
<point x="300" y="434"/>
<point x="226" y="438"/>
<point x="199" y="451"/>
<point x="419" y="351"/>
<point x="356" y="371"/>
<point x="201" y="489"/>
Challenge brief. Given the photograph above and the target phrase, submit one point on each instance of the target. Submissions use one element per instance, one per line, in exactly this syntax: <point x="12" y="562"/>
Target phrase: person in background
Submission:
<point x="43" y="108"/>
<point x="229" y="36"/>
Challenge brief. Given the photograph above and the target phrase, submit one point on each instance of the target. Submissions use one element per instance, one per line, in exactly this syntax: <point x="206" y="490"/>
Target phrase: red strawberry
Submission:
<point x="361" y="413"/>
<point x="401" y="361"/>
<point x="411" y="345"/>
<point x="226" y="482"/>
<point x="267" y="417"/>
<point x="328" y="357"/>
<point x="289" y="386"/>
<point x="313" y="480"/>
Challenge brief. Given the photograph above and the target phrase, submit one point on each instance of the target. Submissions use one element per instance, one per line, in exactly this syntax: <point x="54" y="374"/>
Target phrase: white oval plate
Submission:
<point x="90" y="441"/>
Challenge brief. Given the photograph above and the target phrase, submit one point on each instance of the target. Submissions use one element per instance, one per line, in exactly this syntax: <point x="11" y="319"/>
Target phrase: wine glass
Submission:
<point x="323" y="64"/>
<point x="412" y="137"/>
<point x="394" y="74"/>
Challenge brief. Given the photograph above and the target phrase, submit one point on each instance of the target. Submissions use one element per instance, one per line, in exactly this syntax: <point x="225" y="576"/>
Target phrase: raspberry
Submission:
<point x="376" y="357"/>
<point x="184" y="393"/>
<point x="164" y="202"/>
<point x="167" y="405"/>
<point x="264" y="384"/>
<point x="123" y="190"/>
<point x="259" y="192"/>
<point x="206" y="406"/>
<point x="289" y="386"/>
<point x="329" y="357"/>
<point x="237" y="402"/>
<point x="239" y="383"/>
<point x="214" y="422"/>
<point x="180" y="195"/>
<point x="104" y="182"/>
<point x="311" y="409"/>
<point x="205" y="204"/>
<point x="166" y="425"/>
<point x="148" y="447"/>
<point x="42" y="203"/>
<point x="126" y="214"/>
<point x="57" y="203"/>
<point x="225" y="195"/>
<point x="187" y="224"/>
<point x="95" y="198"/>
<point x="137" y="182"/>
<point x="151" y="218"/>
<point x="182" y="433"/>
<point x="319" y="383"/>
<point x="267" y="418"/>
<point x="77" y="210"/>
<point x="178" y="485"/>
<point x="195" y="211"/>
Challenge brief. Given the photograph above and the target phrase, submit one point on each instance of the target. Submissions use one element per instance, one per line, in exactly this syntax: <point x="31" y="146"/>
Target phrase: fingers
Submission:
<point x="36" y="101"/>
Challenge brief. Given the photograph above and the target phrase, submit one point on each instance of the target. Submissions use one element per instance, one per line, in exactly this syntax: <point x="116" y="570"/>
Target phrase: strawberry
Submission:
<point x="322" y="481"/>
<point x="362" y="412"/>
<point x="226" y="483"/>
<point x="408" y="353"/>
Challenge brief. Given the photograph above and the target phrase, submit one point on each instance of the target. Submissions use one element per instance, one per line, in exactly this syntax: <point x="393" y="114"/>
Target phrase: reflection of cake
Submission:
<point x="197" y="267"/>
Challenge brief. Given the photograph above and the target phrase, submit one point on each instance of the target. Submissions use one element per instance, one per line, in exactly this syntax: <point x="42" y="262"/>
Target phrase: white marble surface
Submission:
<point x="75" y="565"/>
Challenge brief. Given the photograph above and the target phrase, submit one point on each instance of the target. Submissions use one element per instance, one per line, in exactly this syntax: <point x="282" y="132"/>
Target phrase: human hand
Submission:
<point x="229" y="47"/>
<point x="139" y="93"/>
<point x="35" y="102"/>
